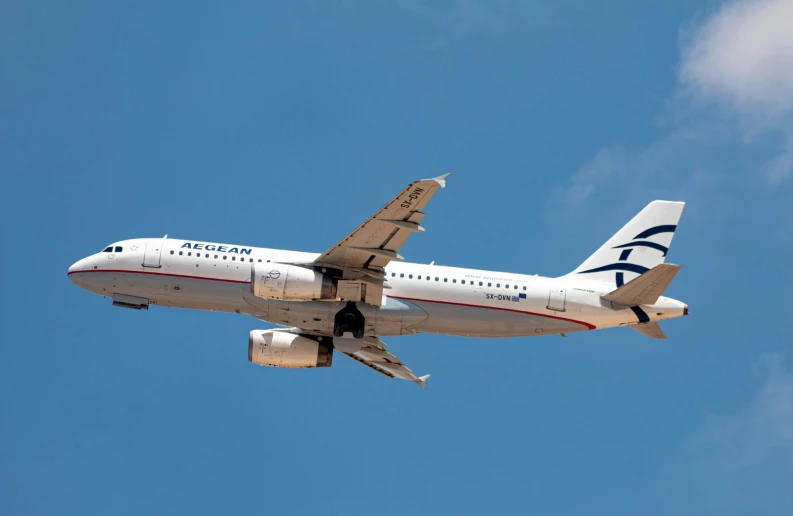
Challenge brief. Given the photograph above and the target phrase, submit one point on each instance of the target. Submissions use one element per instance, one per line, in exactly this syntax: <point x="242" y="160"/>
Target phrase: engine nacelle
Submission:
<point x="284" y="349"/>
<point x="290" y="283"/>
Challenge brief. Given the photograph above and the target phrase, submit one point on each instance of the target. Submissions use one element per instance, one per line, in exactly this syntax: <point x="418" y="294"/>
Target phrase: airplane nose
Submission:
<point x="685" y="309"/>
<point x="77" y="266"/>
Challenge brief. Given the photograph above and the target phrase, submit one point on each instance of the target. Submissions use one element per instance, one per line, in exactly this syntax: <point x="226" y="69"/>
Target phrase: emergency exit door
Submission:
<point x="556" y="299"/>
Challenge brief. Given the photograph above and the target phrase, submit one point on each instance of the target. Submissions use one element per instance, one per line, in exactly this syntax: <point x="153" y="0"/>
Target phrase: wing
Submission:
<point x="363" y="254"/>
<point x="374" y="356"/>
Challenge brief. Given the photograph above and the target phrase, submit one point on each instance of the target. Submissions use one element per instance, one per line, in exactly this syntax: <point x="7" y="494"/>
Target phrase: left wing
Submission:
<point x="362" y="255"/>
<point x="374" y="356"/>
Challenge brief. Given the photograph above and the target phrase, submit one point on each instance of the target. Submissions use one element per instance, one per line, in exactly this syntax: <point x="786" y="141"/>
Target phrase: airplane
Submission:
<point x="361" y="289"/>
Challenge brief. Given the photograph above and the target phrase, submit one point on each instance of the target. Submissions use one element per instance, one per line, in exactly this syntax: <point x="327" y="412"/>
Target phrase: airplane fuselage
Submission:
<point x="422" y="298"/>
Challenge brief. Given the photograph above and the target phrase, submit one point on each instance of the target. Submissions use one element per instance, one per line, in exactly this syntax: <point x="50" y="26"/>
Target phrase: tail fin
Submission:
<point x="639" y="246"/>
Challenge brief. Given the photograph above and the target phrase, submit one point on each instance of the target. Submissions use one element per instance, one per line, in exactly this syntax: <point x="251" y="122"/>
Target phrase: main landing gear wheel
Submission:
<point x="349" y="319"/>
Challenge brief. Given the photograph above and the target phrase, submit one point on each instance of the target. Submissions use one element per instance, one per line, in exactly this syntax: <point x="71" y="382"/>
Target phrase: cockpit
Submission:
<point x="113" y="249"/>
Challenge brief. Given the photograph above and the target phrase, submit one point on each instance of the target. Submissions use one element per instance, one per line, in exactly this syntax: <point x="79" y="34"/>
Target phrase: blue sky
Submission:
<point x="284" y="126"/>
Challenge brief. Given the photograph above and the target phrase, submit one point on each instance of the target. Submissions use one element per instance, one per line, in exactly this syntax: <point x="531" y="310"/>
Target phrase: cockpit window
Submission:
<point x="108" y="250"/>
<point x="119" y="249"/>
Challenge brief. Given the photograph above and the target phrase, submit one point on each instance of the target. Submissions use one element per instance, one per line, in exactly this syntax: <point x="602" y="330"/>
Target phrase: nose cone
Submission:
<point x="74" y="271"/>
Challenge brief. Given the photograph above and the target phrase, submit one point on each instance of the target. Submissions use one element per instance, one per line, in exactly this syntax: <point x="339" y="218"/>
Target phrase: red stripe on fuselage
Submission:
<point x="161" y="274"/>
<point x="588" y="325"/>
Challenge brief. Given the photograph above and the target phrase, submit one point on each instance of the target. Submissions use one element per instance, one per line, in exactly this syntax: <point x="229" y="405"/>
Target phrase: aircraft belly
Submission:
<point x="394" y="317"/>
<point x="486" y="322"/>
<point x="178" y="292"/>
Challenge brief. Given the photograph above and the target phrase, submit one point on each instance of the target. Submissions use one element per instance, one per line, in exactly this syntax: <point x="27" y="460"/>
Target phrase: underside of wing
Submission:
<point x="373" y="354"/>
<point x="377" y="241"/>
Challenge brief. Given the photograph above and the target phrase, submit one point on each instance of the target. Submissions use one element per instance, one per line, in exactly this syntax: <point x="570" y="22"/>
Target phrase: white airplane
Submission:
<point x="359" y="290"/>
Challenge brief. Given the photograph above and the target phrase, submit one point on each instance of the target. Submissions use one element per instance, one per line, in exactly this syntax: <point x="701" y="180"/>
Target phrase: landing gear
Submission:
<point x="349" y="319"/>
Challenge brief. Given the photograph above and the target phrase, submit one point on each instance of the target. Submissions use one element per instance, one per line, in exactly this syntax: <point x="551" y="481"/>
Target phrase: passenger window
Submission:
<point x="393" y="274"/>
<point x="119" y="249"/>
<point x="233" y="258"/>
<point x="445" y="280"/>
<point x="410" y="276"/>
<point x="260" y="260"/>
<point x="206" y="255"/>
<point x="189" y="254"/>
<point x="524" y="287"/>
<point x="402" y="275"/>
<point x="171" y="252"/>
<point x="108" y="250"/>
<point x="428" y="278"/>
<point x="498" y="285"/>
<point x="454" y="280"/>
<point x="224" y="257"/>
<point x="216" y="257"/>
<point x="516" y="287"/>
<point x="180" y="253"/>
<point x="489" y="284"/>
<point x="436" y="278"/>
<point x="419" y="276"/>
<point x="480" y="283"/>
<point x="506" y="286"/>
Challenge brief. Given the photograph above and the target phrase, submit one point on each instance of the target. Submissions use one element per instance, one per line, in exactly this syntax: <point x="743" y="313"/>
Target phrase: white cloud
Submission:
<point x="677" y="167"/>
<point x="742" y="56"/>
<point x="740" y="60"/>
<point x="734" y="92"/>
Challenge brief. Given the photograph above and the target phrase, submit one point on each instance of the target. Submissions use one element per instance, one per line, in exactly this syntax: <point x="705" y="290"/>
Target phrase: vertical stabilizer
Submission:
<point x="639" y="246"/>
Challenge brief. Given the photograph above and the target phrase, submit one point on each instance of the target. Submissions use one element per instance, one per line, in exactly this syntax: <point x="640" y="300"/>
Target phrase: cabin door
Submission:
<point x="556" y="299"/>
<point x="151" y="257"/>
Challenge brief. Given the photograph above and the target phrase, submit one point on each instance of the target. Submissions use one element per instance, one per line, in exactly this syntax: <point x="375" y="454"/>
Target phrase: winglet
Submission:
<point x="422" y="380"/>
<point x="441" y="180"/>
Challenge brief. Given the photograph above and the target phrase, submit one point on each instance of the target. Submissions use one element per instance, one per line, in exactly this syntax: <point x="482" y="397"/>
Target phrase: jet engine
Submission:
<point x="284" y="349"/>
<point x="290" y="283"/>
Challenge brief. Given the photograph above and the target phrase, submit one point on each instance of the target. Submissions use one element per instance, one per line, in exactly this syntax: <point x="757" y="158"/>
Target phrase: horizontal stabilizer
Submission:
<point x="649" y="329"/>
<point x="646" y="288"/>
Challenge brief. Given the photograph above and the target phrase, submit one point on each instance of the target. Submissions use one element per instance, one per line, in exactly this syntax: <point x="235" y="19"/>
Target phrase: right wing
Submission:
<point x="374" y="356"/>
<point x="362" y="255"/>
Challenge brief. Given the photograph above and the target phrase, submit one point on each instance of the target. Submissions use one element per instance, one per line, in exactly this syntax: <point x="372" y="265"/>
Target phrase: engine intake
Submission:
<point x="284" y="349"/>
<point x="290" y="283"/>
